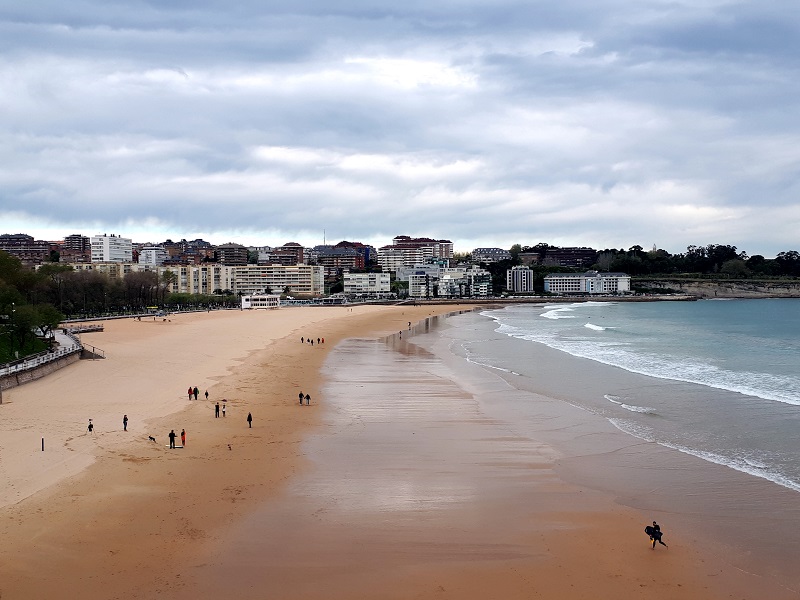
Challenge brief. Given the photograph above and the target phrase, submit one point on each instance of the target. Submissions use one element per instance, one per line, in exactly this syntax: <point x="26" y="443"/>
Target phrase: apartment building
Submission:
<point x="373" y="285"/>
<point x="519" y="279"/>
<point x="307" y="280"/>
<point x="590" y="282"/>
<point x="490" y="255"/>
<point x="111" y="248"/>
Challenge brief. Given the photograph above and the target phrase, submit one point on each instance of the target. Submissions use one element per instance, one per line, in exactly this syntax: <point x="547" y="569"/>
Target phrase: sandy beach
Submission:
<point x="257" y="512"/>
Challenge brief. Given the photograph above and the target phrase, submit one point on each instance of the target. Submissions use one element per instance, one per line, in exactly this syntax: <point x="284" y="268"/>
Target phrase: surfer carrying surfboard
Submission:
<point x="654" y="531"/>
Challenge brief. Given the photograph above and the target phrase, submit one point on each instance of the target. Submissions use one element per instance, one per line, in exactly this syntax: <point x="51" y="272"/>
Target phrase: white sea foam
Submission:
<point x="779" y="388"/>
<point x="738" y="463"/>
<point x="557" y="313"/>
<point x="597" y="327"/>
<point x="639" y="409"/>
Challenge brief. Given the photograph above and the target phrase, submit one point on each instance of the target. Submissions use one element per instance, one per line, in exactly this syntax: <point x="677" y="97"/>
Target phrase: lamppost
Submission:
<point x="11" y="329"/>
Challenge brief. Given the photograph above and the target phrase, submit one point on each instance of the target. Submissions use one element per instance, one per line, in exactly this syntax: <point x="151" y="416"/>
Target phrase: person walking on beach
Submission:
<point x="196" y="391"/>
<point x="302" y="340"/>
<point x="300" y="395"/>
<point x="183" y="437"/>
<point x="90" y="427"/>
<point x="190" y="392"/>
<point x="125" y="422"/>
<point x="223" y="408"/>
<point x="250" y="420"/>
<point x="308" y="399"/>
<point x="172" y="439"/>
<point x="654" y="531"/>
<point x="216" y="411"/>
<point x="206" y="394"/>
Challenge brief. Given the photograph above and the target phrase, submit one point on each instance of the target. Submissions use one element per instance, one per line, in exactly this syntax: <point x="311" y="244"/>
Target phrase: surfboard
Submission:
<point x="167" y="446"/>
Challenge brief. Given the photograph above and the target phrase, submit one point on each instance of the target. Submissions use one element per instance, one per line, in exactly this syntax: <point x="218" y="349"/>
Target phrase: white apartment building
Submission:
<point x="590" y="282"/>
<point x="152" y="255"/>
<point x="212" y="278"/>
<point x="519" y="279"/>
<point x="111" y="248"/>
<point x="265" y="279"/>
<point x="185" y="279"/>
<point x="450" y="282"/>
<point x="367" y="284"/>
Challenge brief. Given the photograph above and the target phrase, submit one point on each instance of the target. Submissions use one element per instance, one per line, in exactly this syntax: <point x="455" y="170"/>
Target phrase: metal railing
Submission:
<point x="37" y="360"/>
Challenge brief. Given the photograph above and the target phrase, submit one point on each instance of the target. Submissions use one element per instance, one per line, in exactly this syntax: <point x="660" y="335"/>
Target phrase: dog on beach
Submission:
<point x="152" y="439"/>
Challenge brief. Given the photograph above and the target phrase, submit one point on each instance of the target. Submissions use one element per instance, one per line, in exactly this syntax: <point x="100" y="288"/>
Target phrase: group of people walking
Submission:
<point x="194" y="392"/>
<point x="301" y="397"/>
<point x="304" y="339"/>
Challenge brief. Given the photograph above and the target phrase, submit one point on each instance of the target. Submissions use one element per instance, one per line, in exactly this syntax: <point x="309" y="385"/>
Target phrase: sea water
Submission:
<point x="719" y="379"/>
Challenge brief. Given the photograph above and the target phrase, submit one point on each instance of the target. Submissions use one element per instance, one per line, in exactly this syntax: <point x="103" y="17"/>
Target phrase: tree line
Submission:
<point x="34" y="303"/>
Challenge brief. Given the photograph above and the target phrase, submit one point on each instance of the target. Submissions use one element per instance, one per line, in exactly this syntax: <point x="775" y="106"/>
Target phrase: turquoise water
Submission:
<point x="723" y="377"/>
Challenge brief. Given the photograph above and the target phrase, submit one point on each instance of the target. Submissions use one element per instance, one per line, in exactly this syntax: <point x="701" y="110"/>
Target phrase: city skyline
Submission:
<point x="601" y="124"/>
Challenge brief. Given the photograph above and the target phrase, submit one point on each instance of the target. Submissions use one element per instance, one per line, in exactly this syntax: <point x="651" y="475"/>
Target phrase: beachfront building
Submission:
<point x="111" y="248"/>
<point x="590" y="282"/>
<point x="307" y="280"/>
<point x="490" y="255"/>
<point x="180" y="279"/>
<point x="519" y="280"/>
<point x="371" y="285"/>
<point x="261" y="301"/>
<point x="207" y="278"/>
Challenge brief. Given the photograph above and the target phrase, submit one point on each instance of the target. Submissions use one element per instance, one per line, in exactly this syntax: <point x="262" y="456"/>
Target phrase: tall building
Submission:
<point x="111" y="248"/>
<point x="231" y="254"/>
<point x="152" y="255"/>
<point x="519" y="280"/>
<point x="408" y="252"/>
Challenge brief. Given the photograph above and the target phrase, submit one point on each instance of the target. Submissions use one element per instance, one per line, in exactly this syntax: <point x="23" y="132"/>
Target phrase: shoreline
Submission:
<point x="144" y="522"/>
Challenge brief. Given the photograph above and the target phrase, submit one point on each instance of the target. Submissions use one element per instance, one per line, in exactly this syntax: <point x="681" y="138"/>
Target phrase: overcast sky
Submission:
<point x="605" y="123"/>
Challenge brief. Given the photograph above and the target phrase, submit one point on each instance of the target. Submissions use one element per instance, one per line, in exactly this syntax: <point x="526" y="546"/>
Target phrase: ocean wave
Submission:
<point x="556" y="313"/>
<point x="631" y="407"/>
<point x="597" y="327"/>
<point x="768" y="386"/>
<point x="742" y="464"/>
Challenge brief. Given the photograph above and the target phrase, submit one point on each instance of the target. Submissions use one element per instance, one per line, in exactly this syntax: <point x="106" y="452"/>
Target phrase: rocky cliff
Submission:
<point x="704" y="288"/>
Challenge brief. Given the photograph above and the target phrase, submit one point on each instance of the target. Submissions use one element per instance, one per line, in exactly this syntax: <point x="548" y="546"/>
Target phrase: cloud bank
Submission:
<point x="602" y="123"/>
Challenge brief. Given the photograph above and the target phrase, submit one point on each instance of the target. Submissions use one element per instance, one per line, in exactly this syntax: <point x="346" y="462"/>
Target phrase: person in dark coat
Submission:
<point x="249" y="420"/>
<point x="172" y="436"/>
<point x="654" y="531"/>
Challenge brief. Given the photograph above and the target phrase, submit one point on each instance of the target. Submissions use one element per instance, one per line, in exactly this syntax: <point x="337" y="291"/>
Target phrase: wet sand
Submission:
<point x="399" y="481"/>
<point x="417" y="489"/>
